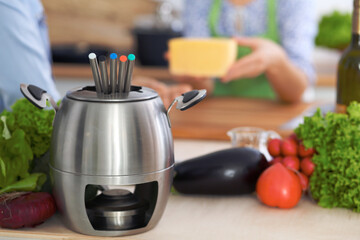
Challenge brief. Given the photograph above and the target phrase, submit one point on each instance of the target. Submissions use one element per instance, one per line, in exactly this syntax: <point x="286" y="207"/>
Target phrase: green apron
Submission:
<point x="258" y="87"/>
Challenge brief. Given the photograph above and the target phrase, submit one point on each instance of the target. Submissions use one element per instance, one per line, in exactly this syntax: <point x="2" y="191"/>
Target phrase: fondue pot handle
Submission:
<point x="37" y="96"/>
<point x="187" y="100"/>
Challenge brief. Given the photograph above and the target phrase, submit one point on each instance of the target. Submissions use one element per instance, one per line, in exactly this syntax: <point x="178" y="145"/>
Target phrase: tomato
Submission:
<point x="279" y="186"/>
<point x="291" y="162"/>
<point x="305" y="152"/>
<point x="276" y="160"/>
<point x="274" y="147"/>
<point x="288" y="147"/>
<point x="307" y="166"/>
<point x="294" y="137"/>
<point x="304" y="181"/>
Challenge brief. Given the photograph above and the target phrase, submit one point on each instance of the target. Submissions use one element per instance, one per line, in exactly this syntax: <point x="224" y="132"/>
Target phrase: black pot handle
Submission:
<point x="186" y="101"/>
<point x="37" y="96"/>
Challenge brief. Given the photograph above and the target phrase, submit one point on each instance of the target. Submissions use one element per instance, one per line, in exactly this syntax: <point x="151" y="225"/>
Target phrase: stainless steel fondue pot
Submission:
<point x="117" y="148"/>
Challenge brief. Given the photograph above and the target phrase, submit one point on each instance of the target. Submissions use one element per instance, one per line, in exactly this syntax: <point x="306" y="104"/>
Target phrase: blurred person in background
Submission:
<point x="167" y="92"/>
<point x="26" y="57"/>
<point x="24" y="50"/>
<point x="275" y="44"/>
<point x="279" y="33"/>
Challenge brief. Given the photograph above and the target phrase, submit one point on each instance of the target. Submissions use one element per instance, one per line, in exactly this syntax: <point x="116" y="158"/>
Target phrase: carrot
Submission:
<point x="25" y="209"/>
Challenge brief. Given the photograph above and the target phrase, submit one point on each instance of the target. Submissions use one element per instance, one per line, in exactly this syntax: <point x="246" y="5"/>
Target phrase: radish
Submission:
<point x="25" y="209"/>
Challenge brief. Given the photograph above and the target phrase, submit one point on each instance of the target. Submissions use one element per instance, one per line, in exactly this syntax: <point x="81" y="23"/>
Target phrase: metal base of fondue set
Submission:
<point x="73" y="210"/>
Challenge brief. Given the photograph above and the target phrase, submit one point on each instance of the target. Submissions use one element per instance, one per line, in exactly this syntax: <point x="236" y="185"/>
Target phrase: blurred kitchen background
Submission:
<point x="77" y="27"/>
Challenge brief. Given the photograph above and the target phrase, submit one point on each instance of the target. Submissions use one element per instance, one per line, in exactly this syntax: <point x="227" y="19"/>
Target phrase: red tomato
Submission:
<point x="274" y="147"/>
<point x="305" y="152"/>
<point x="307" y="166"/>
<point x="291" y="162"/>
<point x="279" y="186"/>
<point x="289" y="147"/>
<point x="304" y="181"/>
<point x="276" y="160"/>
<point x="294" y="137"/>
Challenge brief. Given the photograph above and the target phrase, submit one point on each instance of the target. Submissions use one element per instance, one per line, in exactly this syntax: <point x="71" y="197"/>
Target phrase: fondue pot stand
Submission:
<point x="111" y="157"/>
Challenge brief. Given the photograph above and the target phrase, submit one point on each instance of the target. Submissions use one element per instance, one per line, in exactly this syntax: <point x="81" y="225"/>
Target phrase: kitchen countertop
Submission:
<point x="213" y="117"/>
<point x="211" y="217"/>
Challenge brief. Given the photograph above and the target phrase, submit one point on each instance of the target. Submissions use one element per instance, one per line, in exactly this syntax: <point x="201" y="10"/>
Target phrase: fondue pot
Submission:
<point x="111" y="157"/>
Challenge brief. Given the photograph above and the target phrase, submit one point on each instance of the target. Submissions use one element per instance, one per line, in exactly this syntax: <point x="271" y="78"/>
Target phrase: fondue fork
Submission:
<point x="104" y="74"/>
<point x="129" y="70"/>
<point x="113" y="72"/>
<point x="95" y="71"/>
<point x="121" y="73"/>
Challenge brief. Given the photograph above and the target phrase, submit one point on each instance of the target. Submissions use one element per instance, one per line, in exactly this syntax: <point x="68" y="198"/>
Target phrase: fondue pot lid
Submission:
<point x="88" y="93"/>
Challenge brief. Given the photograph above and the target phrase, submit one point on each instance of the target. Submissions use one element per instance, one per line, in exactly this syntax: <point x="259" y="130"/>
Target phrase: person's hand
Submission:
<point x="166" y="93"/>
<point x="265" y="55"/>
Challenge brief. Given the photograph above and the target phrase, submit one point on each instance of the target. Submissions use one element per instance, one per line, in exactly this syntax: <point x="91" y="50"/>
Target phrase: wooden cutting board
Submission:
<point x="213" y="117"/>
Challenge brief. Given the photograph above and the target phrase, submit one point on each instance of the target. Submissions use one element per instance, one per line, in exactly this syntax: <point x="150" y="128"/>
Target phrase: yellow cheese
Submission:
<point x="210" y="57"/>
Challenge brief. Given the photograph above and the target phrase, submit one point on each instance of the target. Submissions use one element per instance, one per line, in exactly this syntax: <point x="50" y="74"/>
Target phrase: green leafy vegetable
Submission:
<point x="6" y="133"/>
<point x="25" y="133"/>
<point x="31" y="183"/>
<point x="16" y="155"/>
<point x="335" y="181"/>
<point x="36" y="123"/>
<point x="334" y="30"/>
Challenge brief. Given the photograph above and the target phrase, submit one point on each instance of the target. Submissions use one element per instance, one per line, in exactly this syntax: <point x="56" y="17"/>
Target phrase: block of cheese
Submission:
<point x="207" y="57"/>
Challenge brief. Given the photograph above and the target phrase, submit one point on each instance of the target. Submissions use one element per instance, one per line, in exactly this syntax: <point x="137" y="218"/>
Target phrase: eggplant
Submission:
<point x="231" y="171"/>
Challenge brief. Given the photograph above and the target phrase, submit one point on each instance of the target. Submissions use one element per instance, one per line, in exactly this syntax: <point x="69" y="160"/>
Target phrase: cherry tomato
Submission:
<point x="279" y="186"/>
<point x="307" y="166"/>
<point x="294" y="137"/>
<point x="291" y="162"/>
<point x="304" y="181"/>
<point x="289" y="147"/>
<point x="276" y="160"/>
<point x="274" y="147"/>
<point x="303" y="152"/>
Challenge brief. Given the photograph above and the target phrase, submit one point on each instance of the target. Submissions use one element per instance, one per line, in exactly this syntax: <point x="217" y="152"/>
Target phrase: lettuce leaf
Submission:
<point x="335" y="181"/>
<point x="36" y="123"/>
<point x="15" y="155"/>
<point x="31" y="183"/>
<point x="25" y="133"/>
<point x="334" y="29"/>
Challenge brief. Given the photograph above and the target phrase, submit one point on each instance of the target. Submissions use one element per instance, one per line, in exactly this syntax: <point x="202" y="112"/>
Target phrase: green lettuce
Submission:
<point x="25" y="134"/>
<point x="334" y="30"/>
<point x="15" y="157"/>
<point x="36" y="123"/>
<point x="31" y="183"/>
<point x="335" y="181"/>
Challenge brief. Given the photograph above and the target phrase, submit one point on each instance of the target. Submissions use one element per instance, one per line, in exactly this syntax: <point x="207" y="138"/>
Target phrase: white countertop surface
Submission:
<point x="214" y="217"/>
